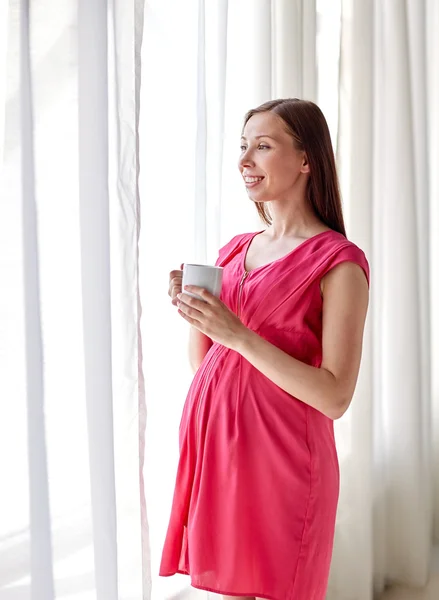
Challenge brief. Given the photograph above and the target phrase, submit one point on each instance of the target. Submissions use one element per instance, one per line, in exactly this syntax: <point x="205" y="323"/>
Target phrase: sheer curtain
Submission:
<point x="72" y="518"/>
<point x="368" y="66"/>
<point x="433" y="145"/>
<point x="386" y="159"/>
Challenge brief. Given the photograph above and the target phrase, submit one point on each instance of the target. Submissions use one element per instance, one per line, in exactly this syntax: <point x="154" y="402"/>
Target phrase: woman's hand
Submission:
<point x="175" y="284"/>
<point x="211" y="317"/>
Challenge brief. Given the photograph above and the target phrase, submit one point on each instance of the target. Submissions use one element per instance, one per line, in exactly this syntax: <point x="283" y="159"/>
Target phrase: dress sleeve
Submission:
<point x="348" y="253"/>
<point x="227" y="252"/>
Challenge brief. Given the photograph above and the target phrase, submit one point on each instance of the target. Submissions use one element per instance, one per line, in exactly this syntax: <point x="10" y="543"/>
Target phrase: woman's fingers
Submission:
<point x="204" y="294"/>
<point x="191" y="306"/>
<point x="175" y="284"/>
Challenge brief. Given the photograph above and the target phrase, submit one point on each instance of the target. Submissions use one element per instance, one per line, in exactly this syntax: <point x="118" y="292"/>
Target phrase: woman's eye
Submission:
<point x="260" y="147"/>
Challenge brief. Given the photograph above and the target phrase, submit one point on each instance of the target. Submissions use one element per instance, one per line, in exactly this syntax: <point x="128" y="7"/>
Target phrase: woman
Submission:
<point x="277" y="360"/>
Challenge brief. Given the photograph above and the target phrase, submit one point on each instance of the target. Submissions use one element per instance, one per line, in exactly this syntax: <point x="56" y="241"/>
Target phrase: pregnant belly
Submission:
<point x="232" y="402"/>
<point x="202" y="385"/>
<point x="231" y="397"/>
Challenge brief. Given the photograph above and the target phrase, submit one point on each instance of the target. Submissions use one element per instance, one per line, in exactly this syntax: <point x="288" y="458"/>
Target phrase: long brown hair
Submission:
<point x="307" y="125"/>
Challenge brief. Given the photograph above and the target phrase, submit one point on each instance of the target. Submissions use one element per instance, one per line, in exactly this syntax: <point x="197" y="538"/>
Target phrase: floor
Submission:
<point x="431" y="592"/>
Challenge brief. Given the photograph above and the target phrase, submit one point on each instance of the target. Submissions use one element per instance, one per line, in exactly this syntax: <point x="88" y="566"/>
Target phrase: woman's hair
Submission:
<point x="305" y="122"/>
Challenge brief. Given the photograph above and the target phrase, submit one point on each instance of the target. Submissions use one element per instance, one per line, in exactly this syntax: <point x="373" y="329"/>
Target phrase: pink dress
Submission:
<point x="258" y="480"/>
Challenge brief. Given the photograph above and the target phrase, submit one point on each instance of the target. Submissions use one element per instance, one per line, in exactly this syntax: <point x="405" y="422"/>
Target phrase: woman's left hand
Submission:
<point x="211" y="316"/>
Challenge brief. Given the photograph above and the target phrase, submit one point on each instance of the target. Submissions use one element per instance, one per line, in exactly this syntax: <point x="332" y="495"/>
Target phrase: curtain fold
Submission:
<point x="41" y="561"/>
<point x="73" y="518"/>
<point x="402" y="305"/>
<point x="125" y="42"/>
<point x="352" y="563"/>
<point x="95" y="275"/>
<point x="432" y="45"/>
<point x="294" y="30"/>
<point x="4" y="39"/>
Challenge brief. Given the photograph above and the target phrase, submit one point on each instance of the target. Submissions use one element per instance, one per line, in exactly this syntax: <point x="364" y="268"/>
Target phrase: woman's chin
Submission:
<point x="257" y="197"/>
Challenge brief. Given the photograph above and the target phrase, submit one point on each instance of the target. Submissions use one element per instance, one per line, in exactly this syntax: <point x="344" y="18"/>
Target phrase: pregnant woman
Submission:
<point x="277" y="360"/>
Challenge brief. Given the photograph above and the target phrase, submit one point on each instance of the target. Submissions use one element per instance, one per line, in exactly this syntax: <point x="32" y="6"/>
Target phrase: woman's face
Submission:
<point x="269" y="163"/>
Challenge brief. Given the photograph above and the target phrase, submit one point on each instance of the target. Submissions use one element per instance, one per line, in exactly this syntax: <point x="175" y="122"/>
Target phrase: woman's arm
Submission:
<point x="199" y="345"/>
<point x="330" y="388"/>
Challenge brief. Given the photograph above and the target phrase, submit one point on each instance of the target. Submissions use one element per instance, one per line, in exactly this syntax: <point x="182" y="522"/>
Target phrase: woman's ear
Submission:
<point x="305" y="165"/>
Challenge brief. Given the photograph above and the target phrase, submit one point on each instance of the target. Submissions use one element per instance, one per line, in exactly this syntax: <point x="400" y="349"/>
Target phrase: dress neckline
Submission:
<point x="285" y="256"/>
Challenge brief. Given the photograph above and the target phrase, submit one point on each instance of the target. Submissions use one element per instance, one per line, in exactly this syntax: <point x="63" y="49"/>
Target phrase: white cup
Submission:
<point x="204" y="276"/>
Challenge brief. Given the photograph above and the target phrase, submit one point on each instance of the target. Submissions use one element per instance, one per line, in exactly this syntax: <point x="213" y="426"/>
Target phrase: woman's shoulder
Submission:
<point x="339" y="250"/>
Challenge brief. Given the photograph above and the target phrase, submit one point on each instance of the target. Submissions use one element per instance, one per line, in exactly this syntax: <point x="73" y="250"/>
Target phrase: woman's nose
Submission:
<point x="246" y="159"/>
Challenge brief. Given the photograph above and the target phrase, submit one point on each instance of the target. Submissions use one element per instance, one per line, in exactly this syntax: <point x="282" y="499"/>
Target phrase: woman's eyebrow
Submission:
<point x="260" y="136"/>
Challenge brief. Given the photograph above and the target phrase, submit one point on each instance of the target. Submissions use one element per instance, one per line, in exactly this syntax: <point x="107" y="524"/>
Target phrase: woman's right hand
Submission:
<point x="199" y="343"/>
<point x="175" y="284"/>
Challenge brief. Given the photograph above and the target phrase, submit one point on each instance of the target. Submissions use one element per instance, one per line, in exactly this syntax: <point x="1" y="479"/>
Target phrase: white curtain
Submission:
<point x="433" y="144"/>
<point x="75" y="274"/>
<point x="384" y="531"/>
<point x="73" y="518"/>
<point x="369" y="65"/>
